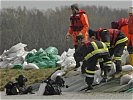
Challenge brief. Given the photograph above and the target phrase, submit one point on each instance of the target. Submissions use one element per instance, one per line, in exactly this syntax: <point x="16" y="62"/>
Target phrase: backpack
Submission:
<point x="52" y="88"/>
<point x="11" y="88"/>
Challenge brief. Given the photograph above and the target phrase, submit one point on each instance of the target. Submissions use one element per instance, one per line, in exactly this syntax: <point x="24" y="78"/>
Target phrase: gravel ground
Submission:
<point x="73" y="95"/>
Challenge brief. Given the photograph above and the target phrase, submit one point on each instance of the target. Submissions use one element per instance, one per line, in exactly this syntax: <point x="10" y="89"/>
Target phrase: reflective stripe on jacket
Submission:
<point x="98" y="48"/>
<point x="111" y="36"/>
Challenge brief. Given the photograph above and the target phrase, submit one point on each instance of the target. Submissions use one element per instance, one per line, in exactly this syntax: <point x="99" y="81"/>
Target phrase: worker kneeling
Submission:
<point x="90" y="53"/>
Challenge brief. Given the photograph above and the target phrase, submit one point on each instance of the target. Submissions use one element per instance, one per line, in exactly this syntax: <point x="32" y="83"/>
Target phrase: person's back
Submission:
<point x="123" y="26"/>
<point x="90" y="53"/>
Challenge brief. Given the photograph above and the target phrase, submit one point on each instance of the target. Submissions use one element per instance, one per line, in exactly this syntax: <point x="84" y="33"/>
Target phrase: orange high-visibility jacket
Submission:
<point x="79" y="24"/>
<point x="130" y="25"/>
<point x="130" y="30"/>
<point x="123" y="25"/>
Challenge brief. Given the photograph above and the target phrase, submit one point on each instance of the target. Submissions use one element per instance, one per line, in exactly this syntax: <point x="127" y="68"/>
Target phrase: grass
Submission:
<point x="33" y="76"/>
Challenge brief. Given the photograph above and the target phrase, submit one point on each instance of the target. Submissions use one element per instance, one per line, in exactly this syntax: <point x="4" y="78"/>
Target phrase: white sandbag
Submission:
<point x="4" y="64"/>
<point x="18" y="60"/>
<point x="57" y="73"/>
<point x="4" y="54"/>
<point x="25" y="54"/>
<point x="33" y="51"/>
<point x="63" y="55"/>
<point x="125" y="57"/>
<point x="125" y="79"/>
<point x="17" y="47"/>
<point x="41" y="90"/>
<point x="69" y="67"/>
<point x="70" y="52"/>
<point x="97" y="77"/>
<point x="68" y="61"/>
<point x="62" y="58"/>
<point x="127" y="67"/>
<point x="30" y="66"/>
<point x="131" y="81"/>
<point x="113" y="69"/>
<point x="79" y="68"/>
<point x="9" y="66"/>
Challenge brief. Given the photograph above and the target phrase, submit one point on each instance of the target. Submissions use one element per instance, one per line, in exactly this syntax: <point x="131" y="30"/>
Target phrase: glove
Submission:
<point x="79" y="37"/>
<point x="80" y="33"/>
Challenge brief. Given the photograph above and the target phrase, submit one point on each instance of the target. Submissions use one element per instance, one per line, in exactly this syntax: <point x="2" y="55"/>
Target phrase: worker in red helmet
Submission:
<point x="115" y="41"/>
<point x="79" y="25"/>
<point x="90" y="53"/>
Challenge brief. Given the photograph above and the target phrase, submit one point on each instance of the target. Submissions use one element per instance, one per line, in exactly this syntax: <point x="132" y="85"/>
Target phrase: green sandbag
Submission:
<point x="46" y="64"/>
<point x="18" y="66"/>
<point x="53" y="57"/>
<point x="130" y="90"/>
<point x="51" y="51"/>
<point x="40" y="52"/>
<point x="28" y="57"/>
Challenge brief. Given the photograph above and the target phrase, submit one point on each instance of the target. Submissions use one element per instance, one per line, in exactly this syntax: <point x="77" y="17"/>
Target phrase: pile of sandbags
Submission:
<point x="126" y="79"/>
<point x="16" y="57"/>
<point x="66" y="60"/>
<point x="13" y="57"/>
<point x="43" y="58"/>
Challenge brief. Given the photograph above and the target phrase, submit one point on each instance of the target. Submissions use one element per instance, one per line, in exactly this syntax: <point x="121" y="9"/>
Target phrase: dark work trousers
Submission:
<point x="77" y="63"/>
<point x="91" y="66"/>
<point x="105" y="65"/>
<point x="117" y="51"/>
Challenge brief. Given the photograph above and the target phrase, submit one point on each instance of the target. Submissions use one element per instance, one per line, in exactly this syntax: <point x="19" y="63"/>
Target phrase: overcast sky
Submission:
<point x="43" y="4"/>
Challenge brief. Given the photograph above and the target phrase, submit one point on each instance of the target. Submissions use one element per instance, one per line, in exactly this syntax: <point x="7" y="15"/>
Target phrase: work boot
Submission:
<point x="104" y="80"/>
<point x="88" y="89"/>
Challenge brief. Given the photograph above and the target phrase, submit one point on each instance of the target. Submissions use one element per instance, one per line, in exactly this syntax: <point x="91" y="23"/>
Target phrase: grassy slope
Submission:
<point x="32" y="75"/>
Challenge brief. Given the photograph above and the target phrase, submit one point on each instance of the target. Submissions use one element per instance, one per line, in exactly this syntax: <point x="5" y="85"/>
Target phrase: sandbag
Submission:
<point x="17" y="47"/>
<point x="57" y="73"/>
<point x="125" y="79"/>
<point x="97" y="77"/>
<point x="41" y="90"/>
<point x="30" y="66"/>
<point x="70" y="52"/>
<point x="127" y="67"/>
<point x="131" y="82"/>
<point x="68" y="61"/>
<point x="125" y="57"/>
<point x="51" y="51"/>
<point x="62" y="58"/>
<point x="113" y="69"/>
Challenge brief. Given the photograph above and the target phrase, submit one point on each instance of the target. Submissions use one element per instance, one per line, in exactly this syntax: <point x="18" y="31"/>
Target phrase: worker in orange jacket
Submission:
<point x="126" y="26"/>
<point x="79" y="25"/>
<point x="123" y="25"/>
<point x="130" y="35"/>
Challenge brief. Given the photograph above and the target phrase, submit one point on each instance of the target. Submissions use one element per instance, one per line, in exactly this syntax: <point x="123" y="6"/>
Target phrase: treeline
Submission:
<point x="41" y="29"/>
